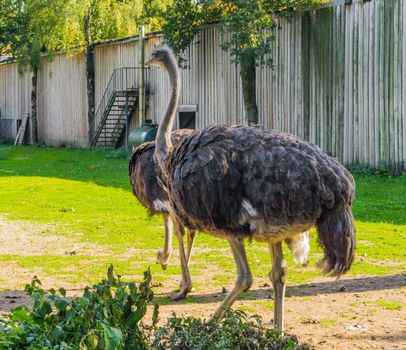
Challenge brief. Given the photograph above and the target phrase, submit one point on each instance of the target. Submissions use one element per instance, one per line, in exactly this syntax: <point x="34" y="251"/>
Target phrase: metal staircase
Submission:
<point x="116" y="106"/>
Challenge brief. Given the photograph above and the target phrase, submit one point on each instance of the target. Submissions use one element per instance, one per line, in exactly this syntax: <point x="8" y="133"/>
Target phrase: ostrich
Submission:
<point x="144" y="181"/>
<point x="239" y="182"/>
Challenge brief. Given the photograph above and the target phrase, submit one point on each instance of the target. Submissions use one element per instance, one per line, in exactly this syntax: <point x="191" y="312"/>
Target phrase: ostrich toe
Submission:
<point x="162" y="259"/>
<point x="183" y="291"/>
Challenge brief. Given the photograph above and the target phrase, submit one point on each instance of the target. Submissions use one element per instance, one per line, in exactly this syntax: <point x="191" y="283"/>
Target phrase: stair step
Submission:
<point x="111" y="133"/>
<point x="116" y="102"/>
<point x="111" y="128"/>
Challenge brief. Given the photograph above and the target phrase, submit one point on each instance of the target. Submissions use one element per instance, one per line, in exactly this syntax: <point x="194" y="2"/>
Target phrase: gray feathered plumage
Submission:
<point x="262" y="184"/>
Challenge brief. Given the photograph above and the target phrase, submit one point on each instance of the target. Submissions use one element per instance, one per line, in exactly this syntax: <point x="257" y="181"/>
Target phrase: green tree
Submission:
<point x="250" y="26"/>
<point x="27" y="31"/>
<point x="91" y="21"/>
<point x="152" y="13"/>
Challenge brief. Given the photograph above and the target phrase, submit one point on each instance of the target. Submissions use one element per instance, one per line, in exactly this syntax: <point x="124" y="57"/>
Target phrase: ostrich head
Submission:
<point x="162" y="57"/>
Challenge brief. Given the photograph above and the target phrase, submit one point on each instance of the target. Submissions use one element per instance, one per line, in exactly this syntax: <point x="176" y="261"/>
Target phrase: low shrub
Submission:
<point x="236" y="331"/>
<point x="383" y="170"/>
<point x="109" y="316"/>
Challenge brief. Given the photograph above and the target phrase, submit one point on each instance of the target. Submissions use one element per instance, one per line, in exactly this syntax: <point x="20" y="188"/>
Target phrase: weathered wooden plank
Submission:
<point x="403" y="101"/>
<point x="363" y="54"/>
<point x="382" y="86"/>
<point x="355" y="88"/>
<point x="369" y="111"/>
<point x="395" y="87"/>
<point x="391" y="140"/>
<point x="377" y="66"/>
<point x="341" y="83"/>
<point x="348" y="87"/>
<point x="305" y="69"/>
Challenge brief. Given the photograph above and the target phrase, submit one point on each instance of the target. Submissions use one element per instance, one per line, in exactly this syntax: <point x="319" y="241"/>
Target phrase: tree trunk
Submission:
<point x="90" y="85"/>
<point x="34" y="123"/>
<point x="247" y="73"/>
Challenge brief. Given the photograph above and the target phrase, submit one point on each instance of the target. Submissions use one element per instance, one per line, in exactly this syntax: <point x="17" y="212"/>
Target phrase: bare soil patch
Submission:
<point x="354" y="313"/>
<point x="364" y="312"/>
<point x="28" y="239"/>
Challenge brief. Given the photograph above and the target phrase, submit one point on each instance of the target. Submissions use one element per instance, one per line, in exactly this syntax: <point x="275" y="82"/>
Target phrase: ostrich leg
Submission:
<point x="186" y="284"/>
<point x="279" y="276"/>
<point x="244" y="279"/>
<point x="165" y="253"/>
<point x="190" y="242"/>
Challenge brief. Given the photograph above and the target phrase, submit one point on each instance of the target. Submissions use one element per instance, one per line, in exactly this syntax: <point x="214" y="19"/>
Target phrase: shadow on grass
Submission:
<point x="104" y="167"/>
<point x="365" y="284"/>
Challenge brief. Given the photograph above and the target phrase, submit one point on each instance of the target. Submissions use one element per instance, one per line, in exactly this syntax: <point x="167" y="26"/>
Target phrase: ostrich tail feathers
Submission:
<point x="336" y="232"/>
<point x="300" y="247"/>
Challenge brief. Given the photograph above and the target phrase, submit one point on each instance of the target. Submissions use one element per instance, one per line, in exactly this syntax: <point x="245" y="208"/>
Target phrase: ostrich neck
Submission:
<point x="163" y="140"/>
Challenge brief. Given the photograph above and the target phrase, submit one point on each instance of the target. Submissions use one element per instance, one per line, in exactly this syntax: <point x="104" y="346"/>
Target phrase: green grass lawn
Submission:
<point x="85" y="195"/>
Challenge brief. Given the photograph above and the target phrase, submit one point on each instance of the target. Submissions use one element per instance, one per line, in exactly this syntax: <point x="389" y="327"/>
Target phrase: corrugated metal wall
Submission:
<point x="339" y="80"/>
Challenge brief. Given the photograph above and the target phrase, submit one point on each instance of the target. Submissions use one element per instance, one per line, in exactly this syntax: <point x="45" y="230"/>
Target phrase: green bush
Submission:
<point x="108" y="316"/>
<point x="236" y="331"/>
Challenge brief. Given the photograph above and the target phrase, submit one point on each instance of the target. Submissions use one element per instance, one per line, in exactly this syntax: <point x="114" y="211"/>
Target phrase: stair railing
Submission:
<point x="122" y="79"/>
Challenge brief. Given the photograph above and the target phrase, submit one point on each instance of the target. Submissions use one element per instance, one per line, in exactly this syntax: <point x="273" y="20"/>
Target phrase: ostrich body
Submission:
<point x="250" y="182"/>
<point x="144" y="175"/>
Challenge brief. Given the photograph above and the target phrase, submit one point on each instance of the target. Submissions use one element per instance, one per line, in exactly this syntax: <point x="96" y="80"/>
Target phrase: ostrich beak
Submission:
<point x="151" y="62"/>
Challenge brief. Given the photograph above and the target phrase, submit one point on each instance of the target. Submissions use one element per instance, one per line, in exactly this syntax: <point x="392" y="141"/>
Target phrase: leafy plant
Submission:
<point x="236" y="331"/>
<point x="107" y="316"/>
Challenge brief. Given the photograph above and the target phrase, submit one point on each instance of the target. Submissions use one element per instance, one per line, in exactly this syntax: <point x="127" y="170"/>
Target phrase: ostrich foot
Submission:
<point x="184" y="290"/>
<point x="162" y="259"/>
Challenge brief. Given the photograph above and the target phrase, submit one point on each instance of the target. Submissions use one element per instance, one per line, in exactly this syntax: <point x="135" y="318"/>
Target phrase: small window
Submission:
<point x="187" y="120"/>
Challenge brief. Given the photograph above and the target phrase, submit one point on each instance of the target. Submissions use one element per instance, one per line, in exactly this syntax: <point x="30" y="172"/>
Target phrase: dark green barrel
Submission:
<point x="142" y="134"/>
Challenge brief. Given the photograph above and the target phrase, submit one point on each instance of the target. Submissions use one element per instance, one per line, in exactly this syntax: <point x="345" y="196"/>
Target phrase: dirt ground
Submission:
<point x="363" y="312"/>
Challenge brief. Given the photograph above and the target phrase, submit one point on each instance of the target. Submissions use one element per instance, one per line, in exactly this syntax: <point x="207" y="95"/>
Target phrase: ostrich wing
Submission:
<point x="239" y="180"/>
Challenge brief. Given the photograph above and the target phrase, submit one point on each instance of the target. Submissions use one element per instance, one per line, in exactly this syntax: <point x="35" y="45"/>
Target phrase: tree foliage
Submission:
<point x="152" y="13"/>
<point x="28" y="29"/>
<point x="91" y="21"/>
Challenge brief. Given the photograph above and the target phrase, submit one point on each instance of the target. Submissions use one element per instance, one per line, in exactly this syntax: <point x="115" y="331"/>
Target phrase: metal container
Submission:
<point x="143" y="134"/>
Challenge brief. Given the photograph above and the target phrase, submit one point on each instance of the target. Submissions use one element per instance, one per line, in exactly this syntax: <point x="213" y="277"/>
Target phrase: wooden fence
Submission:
<point x="339" y="80"/>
